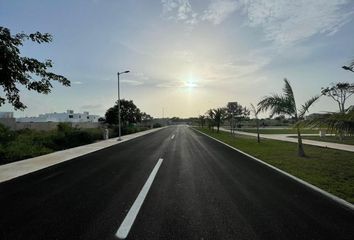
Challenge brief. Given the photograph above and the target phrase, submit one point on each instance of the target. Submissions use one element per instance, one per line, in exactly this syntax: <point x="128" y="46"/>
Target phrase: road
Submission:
<point x="202" y="190"/>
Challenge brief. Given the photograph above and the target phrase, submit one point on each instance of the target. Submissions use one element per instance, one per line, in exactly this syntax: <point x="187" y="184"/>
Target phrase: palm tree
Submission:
<point x="255" y="112"/>
<point x="219" y="116"/>
<point x="285" y="104"/>
<point x="202" y="120"/>
<point x="334" y="122"/>
<point x="210" y="116"/>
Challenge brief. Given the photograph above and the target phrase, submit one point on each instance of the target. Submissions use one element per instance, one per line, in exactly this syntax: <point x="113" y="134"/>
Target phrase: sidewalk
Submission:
<point x="288" y="138"/>
<point x="19" y="168"/>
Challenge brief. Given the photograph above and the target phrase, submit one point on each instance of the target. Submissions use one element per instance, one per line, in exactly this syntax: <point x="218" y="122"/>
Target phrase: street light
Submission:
<point x="119" y="128"/>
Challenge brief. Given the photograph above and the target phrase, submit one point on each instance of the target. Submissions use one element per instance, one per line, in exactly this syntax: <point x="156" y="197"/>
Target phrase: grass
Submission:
<point x="346" y="140"/>
<point x="328" y="169"/>
<point x="278" y="131"/>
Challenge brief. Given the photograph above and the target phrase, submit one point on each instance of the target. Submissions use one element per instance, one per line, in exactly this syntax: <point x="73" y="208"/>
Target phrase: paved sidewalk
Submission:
<point x="288" y="138"/>
<point x="19" y="168"/>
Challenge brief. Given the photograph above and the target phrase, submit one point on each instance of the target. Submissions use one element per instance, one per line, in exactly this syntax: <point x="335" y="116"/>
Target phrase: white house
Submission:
<point x="68" y="116"/>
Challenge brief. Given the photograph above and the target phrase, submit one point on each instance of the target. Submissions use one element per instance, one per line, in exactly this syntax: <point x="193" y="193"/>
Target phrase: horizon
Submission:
<point x="185" y="56"/>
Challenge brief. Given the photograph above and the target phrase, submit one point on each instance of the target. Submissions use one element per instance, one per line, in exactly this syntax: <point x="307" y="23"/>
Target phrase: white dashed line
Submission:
<point x="173" y="136"/>
<point x="128" y="221"/>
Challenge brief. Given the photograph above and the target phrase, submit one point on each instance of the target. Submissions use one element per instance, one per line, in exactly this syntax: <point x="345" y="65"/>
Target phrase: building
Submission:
<point x="7" y="119"/>
<point x="68" y="116"/>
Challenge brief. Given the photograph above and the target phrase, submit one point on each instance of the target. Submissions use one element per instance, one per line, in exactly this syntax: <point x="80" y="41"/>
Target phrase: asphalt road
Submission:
<point x="202" y="190"/>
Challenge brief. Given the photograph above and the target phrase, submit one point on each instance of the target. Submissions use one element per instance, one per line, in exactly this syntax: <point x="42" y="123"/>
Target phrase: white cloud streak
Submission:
<point x="218" y="11"/>
<point x="289" y="22"/>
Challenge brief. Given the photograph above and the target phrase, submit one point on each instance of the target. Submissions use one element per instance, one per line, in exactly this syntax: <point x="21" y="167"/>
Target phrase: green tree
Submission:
<point x="235" y="112"/>
<point x="219" y="117"/>
<point x="334" y="122"/>
<point x="130" y="113"/>
<point x="201" y="120"/>
<point x="210" y="117"/>
<point x="285" y="104"/>
<point x="339" y="92"/>
<point x="255" y="112"/>
<point x="16" y="70"/>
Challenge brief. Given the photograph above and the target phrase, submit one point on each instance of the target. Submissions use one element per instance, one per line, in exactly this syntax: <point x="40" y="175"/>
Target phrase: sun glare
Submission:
<point x="191" y="82"/>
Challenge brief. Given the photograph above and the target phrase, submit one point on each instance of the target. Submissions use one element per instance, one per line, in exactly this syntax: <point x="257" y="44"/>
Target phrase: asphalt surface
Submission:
<point x="202" y="190"/>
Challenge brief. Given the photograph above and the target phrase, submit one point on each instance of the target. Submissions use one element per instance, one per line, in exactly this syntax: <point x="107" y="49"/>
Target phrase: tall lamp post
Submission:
<point x="119" y="125"/>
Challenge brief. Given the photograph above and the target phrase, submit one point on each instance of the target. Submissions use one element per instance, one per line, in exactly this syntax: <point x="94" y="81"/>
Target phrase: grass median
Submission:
<point x="329" y="169"/>
<point x="278" y="131"/>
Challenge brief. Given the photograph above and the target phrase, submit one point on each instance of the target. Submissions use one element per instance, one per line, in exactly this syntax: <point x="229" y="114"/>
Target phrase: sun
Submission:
<point x="191" y="82"/>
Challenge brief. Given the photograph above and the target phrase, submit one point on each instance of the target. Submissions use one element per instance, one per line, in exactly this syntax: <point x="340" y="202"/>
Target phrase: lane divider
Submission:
<point x="129" y="219"/>
<point x="172" y="137"/>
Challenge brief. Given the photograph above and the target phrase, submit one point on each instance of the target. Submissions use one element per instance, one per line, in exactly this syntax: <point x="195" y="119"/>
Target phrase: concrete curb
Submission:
<point x="309" y="185"/>
<point x="16" y="169"/>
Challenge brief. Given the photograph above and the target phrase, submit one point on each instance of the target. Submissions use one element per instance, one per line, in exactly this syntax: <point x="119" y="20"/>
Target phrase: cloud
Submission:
<point x="182" y="11"/>
<point x="179" y="10"/>
<point x="289" y="22"/>
<point x="218" y="11"/>
<point x="76" y="82"/>
<point x="132" y="82"/>
<point x="91" y="106"/>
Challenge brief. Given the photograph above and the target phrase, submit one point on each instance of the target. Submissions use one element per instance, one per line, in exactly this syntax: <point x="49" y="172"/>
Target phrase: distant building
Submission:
<point x="6" y="115"/>
<point x="7" y="119"/>
<point x="68" y="116"/>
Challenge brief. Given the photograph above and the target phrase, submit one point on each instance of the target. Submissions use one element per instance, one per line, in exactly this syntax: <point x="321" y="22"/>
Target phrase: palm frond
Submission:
<point x="288" y="91"/>
<point x="254" y="110"/>
<point x="305" y="107"/>
<point x="277" y="104"/>
<point x="334" y="122"/>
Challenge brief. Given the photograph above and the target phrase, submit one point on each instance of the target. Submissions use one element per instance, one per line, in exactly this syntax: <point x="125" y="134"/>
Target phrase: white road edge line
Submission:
<point x="309" y="185"/>
<point x="173" y="136"/>
<point x="129" y="219"/>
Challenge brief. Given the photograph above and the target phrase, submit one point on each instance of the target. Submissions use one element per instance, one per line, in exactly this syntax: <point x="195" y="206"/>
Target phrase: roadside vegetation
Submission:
<point x="328" y="169"/>
<point x="26" y="143"/>
<point x="279" y="131"/>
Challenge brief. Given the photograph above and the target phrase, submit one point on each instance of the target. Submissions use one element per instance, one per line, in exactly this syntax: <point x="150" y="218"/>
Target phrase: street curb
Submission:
<point x="309" y="185"/>
<point x="19" y="168"/>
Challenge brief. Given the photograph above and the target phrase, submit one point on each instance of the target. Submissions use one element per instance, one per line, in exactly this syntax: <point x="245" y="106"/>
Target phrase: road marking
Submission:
<point x="128" y="221"/>
<point x="173" y="136"/>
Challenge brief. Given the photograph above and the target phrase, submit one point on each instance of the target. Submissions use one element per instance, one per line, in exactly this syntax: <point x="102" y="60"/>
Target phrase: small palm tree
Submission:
<point x="219" y="117"/>
<point x="255" y="112"/>
<point x="202" y="120"/>
<point x="210" y="116"/>
<point x="285" y="104"/>
<point x="334" y="122"/>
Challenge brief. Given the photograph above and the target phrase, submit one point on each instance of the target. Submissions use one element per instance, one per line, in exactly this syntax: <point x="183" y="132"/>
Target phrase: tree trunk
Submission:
<point x="218" y="126"/>
<point x="258" y="140"/>
<point x="300" y="148"/>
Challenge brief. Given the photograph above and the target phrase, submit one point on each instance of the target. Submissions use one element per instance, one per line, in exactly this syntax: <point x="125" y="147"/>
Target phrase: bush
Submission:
<point x="27" y="143"/>
<point x="156" y="125"/>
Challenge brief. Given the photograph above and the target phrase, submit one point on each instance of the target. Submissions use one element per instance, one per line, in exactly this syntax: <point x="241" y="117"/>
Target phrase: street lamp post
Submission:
<point x="119" y="125"/>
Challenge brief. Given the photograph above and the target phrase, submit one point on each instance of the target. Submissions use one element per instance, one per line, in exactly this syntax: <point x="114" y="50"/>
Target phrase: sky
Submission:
<point x="185" y="56"/>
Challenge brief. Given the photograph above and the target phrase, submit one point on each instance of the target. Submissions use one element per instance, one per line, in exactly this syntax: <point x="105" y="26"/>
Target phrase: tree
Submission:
<point x="130" y="113"/>
<point x="210" y="116"/>
<point x="339" y="92"/>
<point x="285" y="104"/>
<point x="255" y="112"/>
<point x="334" y="122"/>
<point x="350" y="67"/>
<point x="16" y="70"/>
<point x="219" y="116"/>
<point x="202" y="120"/>
<point x="235" y="112"/>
